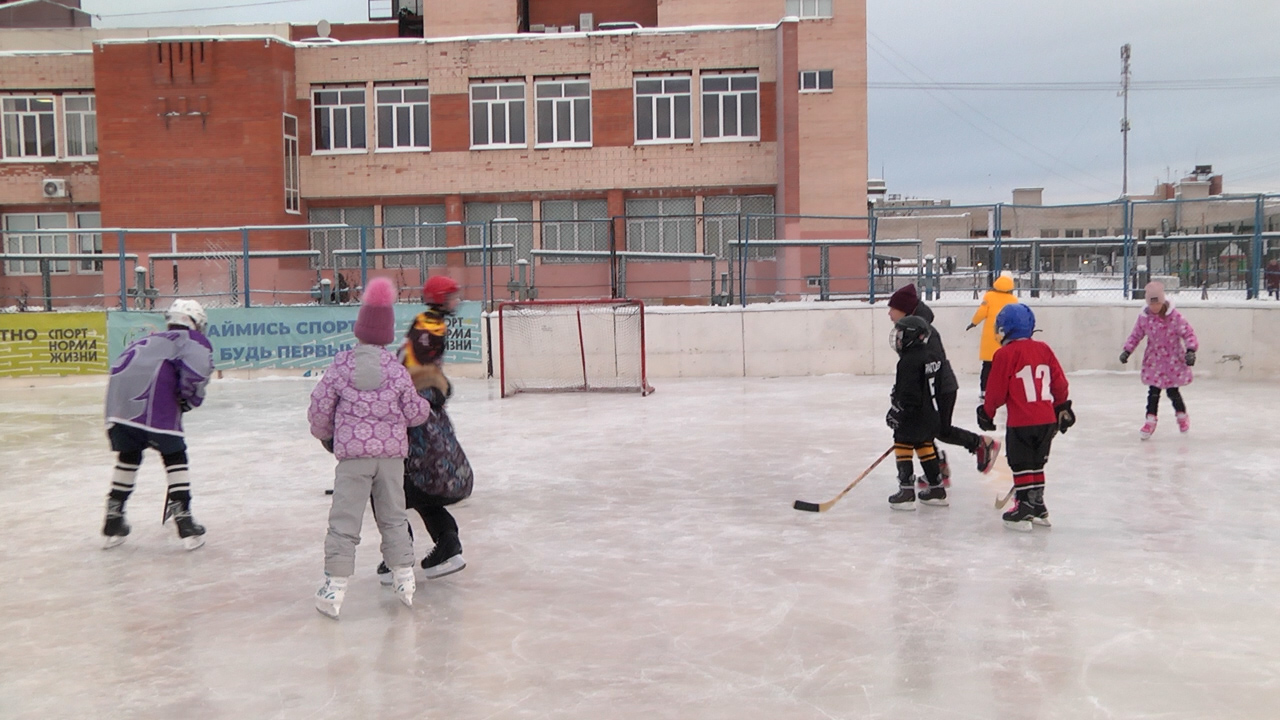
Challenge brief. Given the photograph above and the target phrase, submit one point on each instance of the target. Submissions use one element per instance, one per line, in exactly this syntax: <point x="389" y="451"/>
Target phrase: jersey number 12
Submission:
<point x="1029" y="384"/>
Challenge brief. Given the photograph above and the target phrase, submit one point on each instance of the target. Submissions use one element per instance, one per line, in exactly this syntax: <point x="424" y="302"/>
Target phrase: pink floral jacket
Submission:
<point x="366" y="403"/>
<point x="1168" y="338"/>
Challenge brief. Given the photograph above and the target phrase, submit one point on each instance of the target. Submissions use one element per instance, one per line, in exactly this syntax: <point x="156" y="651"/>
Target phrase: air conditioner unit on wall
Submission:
<point x="52" y="188"/>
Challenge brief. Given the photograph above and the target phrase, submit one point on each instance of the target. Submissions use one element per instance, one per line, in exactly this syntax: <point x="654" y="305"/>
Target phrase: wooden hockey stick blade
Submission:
<point x="1002" y="501"/>
<point x="823" y="507"/>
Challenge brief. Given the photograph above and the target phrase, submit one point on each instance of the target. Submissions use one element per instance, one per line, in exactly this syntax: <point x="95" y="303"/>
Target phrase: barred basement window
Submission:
<point x="413" y="226"/>
<point x="661" y="225"/>
<point x="28" y="234"/>
<point x="326" y="241"/>
<point x="574" y="225"/>
<point x="732" y="217"/>
<point x="89" y="243"/>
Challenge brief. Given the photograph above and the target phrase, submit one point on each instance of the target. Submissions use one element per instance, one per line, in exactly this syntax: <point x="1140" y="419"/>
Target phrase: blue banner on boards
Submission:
<point x="291" y="337"/>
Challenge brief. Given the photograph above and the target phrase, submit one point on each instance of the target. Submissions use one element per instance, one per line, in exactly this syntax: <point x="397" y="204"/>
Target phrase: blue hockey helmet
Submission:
<point x="1015" y="322"/>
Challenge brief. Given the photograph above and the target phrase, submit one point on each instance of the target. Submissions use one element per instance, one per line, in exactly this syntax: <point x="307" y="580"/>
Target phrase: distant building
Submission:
<point x="43" y="14"/>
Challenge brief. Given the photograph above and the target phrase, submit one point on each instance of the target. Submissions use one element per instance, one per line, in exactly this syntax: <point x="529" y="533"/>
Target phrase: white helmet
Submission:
<point x="187" y="313"/>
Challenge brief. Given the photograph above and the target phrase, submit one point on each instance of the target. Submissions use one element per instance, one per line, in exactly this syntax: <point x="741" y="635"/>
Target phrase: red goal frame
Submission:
<point x="644" y="387"/>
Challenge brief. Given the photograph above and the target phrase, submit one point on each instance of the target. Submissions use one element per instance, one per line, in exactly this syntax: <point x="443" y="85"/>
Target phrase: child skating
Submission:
<point x="1167" y="361"/>
<point x="913" y="415"/>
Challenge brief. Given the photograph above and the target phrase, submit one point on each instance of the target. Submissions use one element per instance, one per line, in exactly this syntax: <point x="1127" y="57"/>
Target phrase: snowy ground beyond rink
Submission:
<point x="639" y="558"/>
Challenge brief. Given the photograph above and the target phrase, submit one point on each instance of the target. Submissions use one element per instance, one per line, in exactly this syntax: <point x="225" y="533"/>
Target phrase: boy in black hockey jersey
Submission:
<point x="913" y="414"/>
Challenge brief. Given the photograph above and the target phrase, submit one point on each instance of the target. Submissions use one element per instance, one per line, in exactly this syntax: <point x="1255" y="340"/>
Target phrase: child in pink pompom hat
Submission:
<point x="361" y="412"/>
<point x="1166" y="364"/>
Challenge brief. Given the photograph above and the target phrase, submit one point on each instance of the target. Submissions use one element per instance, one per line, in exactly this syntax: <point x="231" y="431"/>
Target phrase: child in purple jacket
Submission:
<point x="1166" y="364"/>
<point x="361" y="412"/>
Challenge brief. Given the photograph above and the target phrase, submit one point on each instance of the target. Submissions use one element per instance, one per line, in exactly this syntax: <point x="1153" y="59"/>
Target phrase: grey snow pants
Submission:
<point x="356" y="482"/>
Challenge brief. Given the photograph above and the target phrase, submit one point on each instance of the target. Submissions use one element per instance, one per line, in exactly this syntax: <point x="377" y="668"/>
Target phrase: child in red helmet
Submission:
<point x="437" y="473"/>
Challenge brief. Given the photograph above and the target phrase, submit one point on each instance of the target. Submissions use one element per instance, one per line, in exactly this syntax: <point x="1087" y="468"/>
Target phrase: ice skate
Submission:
<point x="329" y="596"/>
<point x="988" y="449"/>
<point x="179" y="512"/>
<point x="1019" y="518"/>
<point x="935" y="495"/>
<point x="904" y="499"/>
<point x="944" y="469"/>
<point x="384" y="575"/>
<point x="444" y="559"/>
<point x="405" y="584"/>
<point x="1184" y="422"/>
<point x="114" y="528"/>
<point x="1148" y="428"/>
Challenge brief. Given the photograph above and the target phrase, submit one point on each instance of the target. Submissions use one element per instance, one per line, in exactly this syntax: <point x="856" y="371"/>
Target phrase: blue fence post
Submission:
<point x="244" y="237"/>
<point x="364" y="259"/>
<point x="124" y="305"/>
<point x="1128" y="244"/>
<point x="998" y="230"/>
<point x="742" y="257"/>
<point x="871" y="261"/>
<point x="1255" y="257"/>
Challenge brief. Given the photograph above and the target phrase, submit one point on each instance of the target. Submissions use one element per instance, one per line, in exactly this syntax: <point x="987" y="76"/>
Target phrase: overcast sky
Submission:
<point x="1205" y="89"/>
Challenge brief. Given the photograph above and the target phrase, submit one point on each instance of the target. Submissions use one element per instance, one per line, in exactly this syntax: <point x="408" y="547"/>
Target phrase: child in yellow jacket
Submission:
<point x="1000" y="294"/>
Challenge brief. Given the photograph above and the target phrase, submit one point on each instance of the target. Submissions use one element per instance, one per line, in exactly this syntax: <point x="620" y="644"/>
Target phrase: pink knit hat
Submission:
<point x="376" y="324"/>
<point x="1154" y="289"/>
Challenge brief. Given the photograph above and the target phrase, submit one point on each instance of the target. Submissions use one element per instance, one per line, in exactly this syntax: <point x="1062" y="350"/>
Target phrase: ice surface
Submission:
<point x="639" y="558"/>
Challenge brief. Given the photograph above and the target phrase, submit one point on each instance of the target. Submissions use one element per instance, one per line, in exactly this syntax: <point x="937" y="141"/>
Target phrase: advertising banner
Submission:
<point x="41" y="343"/>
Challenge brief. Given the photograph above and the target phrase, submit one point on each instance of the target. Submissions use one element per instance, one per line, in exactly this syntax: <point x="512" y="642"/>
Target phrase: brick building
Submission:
<point x="654" y="139"/>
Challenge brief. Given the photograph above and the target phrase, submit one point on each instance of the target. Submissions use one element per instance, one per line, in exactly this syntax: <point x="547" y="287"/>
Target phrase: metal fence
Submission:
<point x="1219" y="247"/>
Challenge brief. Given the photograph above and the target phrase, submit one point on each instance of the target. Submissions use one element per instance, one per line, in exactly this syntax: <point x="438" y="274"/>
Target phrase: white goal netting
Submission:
<point x="572" y="346"/>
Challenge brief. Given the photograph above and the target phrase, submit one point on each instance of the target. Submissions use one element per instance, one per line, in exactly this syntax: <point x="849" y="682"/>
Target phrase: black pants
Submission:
<point x="949" y="433"/>
<point x="986" y="373"/>
<point x="1027" y="449"/>
<point x="435" y="515"/>
<point x="1153" y="399"/>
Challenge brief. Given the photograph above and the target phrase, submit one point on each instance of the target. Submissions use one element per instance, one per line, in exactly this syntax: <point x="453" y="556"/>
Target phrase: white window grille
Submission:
<point x="814" y="81"/>
<point x="89" y="243"/>
<point x="29" y="127"/>
<point x="326" y="241"/>
<point x="664" y="109"/>
<point x="564" y="113"/>
<point x="580" y="225"/>
<point x="292" y="175"/>
<point x="508" y="223"/>
<point x="26" y="234"/>
<point x="404" y="117"/>
<point x="733" y="217"/>
<point x="730" y="107"/>
<point x="409" y="226"/>
<point x="661" y="225"/>
<point x="809" y="8"/>
<point x="339" y="119"/>
<point x="81" y="113"/>
<point x="497" y="115"/>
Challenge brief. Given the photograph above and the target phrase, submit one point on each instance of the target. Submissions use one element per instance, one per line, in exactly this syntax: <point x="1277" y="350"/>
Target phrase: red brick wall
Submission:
<point x="768" y="112"/>
<point x="192" y="136"/>
<point x="450" y="122"/>
<point x="351" y="31"/>
<point x="566" y="12"/>
<point x="612" y="118"/>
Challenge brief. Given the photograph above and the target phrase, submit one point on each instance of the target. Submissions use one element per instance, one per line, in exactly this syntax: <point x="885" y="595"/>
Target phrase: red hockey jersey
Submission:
<point x="1026" y="376"/>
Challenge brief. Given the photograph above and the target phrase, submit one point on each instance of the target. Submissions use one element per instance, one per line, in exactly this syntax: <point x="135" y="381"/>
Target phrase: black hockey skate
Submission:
<point x="944" y="473"/>
<point x="179" y="512"/>
<point x="935" y="495"/>
<point x="904" y="499"/>
<point x="1029" y="510"/>
<point x="444" y="559"/>
<point x="986" y="453"/>
<point x="114" y="528"/>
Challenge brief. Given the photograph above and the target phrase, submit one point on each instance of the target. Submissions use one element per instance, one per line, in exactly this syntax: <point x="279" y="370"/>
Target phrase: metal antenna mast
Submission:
<point x="1124" y="122"/>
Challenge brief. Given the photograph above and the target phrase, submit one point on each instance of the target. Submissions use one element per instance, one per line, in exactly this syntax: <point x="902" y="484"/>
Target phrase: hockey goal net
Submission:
<point x="572" y="346"/>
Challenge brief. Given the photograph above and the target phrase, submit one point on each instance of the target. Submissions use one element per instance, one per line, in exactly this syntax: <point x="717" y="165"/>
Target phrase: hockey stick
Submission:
<point x="823" y="507"/>
<point x="1002" y="501"/>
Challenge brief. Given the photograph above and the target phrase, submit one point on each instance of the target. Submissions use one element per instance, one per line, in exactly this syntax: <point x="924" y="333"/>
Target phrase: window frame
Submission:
<point x="348" y="113"/>
<point x="817" y="76"/>
<point x="39" y="235"/>
<point x="673" y="115"/>
<point x="573" y="102"/>
<point x="36" y="115"/>
<point x="89" y="267"/>
<point x="292" y="171"/>
<point x="81" y="116"/>
<point x="666" y="229"/>
<point x="796" y="8"/>
<point x="589" y="234"/>
<point x="505" y="102"/>
<point x="413" y="107"/>
<point x="393" y="236"/>
<point x="720" y="95"/>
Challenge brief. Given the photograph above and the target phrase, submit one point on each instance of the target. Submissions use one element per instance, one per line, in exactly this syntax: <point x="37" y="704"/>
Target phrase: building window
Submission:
<point x="730" y="107"/>
<point x="564" y="113"/>
<point x="82" y="125"/>
<point x="809" y="8"/>
<point x="28" y="124"/>
<point x="1098" y="232"/>
<point x="575" y="225"/>
<point x="509" y="223"/>
<point x="89" y="243"/>
<point x="813" y="81"/>
<point x="497" y="115"/>
<point x="661" y="225"/>
<point x="1048" y="233"/>
<point x="1073" y="233"/>
<point x="664" y="109"/>
<point x="413" y="226"/>
<point x="727" y="218"/>
<point x="339" y="119"/>
<point x="326" y="241"/>
<point x="292" y="188"/>
<point x="404" y="117"/>
<point x="26" y="235"/>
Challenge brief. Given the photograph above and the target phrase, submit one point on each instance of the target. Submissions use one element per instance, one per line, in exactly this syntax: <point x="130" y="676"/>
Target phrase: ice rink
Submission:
<point x="638" y="557"/>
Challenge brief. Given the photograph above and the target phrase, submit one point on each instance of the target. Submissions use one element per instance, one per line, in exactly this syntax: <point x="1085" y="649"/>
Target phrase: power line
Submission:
<point x="198" y="9"/>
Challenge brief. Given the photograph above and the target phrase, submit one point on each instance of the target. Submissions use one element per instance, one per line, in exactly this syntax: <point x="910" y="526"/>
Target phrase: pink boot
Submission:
<point x="1184" y="422"/>
<point x="1148" y="427"/>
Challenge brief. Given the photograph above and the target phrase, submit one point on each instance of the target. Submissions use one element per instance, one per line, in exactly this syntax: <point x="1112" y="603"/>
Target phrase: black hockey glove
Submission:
<point x="327" y="444"/>
<point x="1124" y="356"/>
<point x="984" y="420"/>
<point x="185" y="406"/>
<point x="1066" y="416"/>
<point x="894" y="417"/>
<point x="1191" y="357"/>
<point x="971" y="326"/>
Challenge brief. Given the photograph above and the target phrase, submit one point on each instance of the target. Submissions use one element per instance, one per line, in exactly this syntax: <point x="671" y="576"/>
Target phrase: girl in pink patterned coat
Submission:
<point x="1171" y="351"/>
<point x="361" y="412"/>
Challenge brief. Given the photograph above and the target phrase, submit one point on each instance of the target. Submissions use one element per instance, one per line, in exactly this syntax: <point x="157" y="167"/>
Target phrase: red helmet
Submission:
<point x="438" y="289"/>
